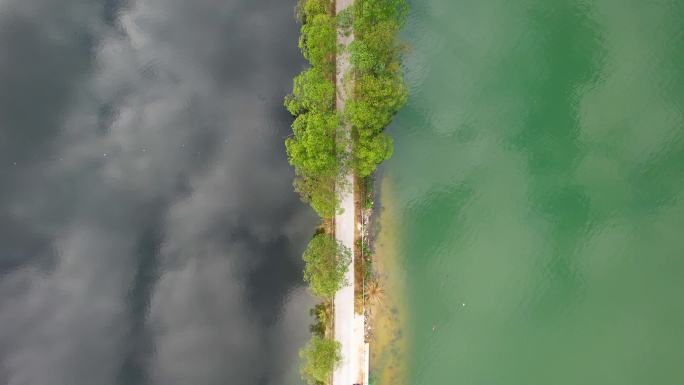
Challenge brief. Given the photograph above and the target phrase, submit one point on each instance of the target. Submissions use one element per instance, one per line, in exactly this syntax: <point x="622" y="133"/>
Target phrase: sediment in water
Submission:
<point x="388" y="342"/>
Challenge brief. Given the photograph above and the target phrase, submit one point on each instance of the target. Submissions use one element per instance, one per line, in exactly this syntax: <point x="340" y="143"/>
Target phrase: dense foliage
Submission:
<point x="379" y="90"/>
<point x="307" y="9"/>
<point x="318" y="152"/>
<point x="317" y="41"/>
<point x="325" y="263"/>
<point x="319" y="357"/>
<point x="319" y="191"/>
<point x="312" y="91"/>
<point x="312" y="149"/>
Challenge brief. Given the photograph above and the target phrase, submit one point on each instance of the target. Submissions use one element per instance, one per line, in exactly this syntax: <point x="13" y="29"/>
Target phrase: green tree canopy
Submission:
<point x="371" y="145"/>
<point x="319" y="192"/>
<point x="325" y="263"/>
<point x="311" y="91"/>
<point x="370" y="151"/>
<point x="318" y="42"/>
<point x="312" y="149"/>
<point x="315" y="151"/>
<point x="319" y="357"/>
<point x="377" y="99"/>
<point x="311" y="8"/>
<point x="367" y="14"/>
<point x="378" y="50"/>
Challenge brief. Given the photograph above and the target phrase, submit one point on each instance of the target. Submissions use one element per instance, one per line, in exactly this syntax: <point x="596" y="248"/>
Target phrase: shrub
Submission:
<point x="319" y="192"/>
<point x="326" y="261"/>
<point x="319" y="357"/>
<point x="323" y="316"/>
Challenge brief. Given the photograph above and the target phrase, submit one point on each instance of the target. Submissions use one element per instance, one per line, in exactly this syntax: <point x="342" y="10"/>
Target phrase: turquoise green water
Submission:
<point x="537" y="189"/>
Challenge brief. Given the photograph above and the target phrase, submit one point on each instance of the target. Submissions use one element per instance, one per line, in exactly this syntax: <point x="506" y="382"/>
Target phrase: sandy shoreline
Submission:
<point x="387" y="361"/>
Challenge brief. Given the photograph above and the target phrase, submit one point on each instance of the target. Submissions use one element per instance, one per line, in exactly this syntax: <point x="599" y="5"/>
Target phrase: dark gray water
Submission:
<point x="148" y="230"/>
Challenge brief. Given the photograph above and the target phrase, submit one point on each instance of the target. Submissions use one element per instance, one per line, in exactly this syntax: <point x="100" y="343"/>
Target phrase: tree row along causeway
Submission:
<point x="318" y="154"/>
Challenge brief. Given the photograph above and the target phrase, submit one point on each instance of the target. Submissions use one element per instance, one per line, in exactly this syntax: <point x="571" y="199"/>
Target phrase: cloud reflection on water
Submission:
<point x="149" y="231"/>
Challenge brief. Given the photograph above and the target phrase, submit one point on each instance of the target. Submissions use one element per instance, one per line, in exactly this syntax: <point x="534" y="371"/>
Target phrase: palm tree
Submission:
<point x="374" y="291"/>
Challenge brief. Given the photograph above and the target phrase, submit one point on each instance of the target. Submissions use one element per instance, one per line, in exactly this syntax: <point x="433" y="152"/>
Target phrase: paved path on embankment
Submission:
<point x="349" y="327"/>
